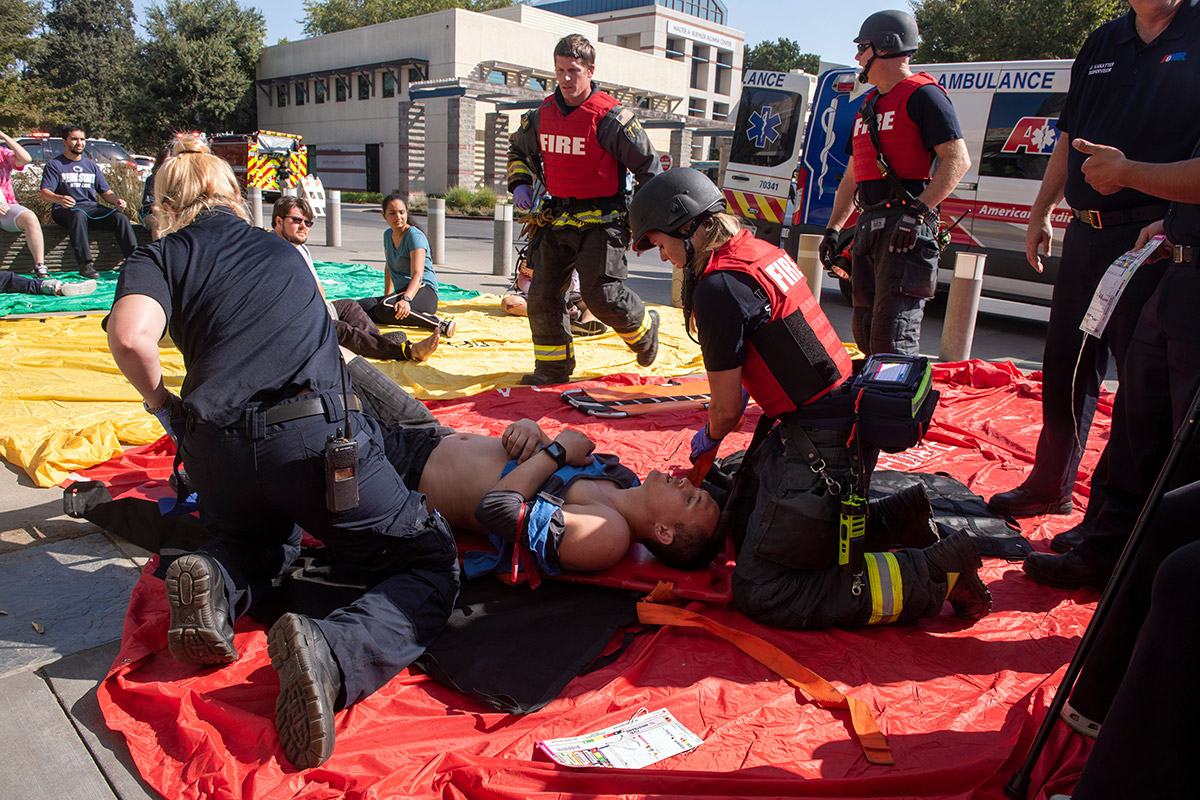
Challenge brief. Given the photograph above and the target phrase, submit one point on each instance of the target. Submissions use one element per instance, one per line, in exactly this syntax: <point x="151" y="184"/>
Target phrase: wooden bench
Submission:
<point x="14" y="255"/>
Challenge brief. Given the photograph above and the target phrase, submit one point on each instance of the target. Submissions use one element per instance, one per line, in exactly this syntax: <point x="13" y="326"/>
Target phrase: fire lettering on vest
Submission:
<point x="562" y="145"/>
<point x="887" y="121"/>
<point x="783" y="273"/>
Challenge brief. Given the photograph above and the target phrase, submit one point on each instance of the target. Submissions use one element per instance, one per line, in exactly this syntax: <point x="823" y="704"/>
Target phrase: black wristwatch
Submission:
<point x="557" y="452"/>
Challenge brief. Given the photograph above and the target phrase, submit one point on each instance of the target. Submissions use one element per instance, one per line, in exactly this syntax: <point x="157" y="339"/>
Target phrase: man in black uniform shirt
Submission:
<point x="895" y="253"/>
<point x="580" y="142"/>
<point x="1162" y="371"/>
<point x="1148" y="640"/>
<point x="1131" y="88"/>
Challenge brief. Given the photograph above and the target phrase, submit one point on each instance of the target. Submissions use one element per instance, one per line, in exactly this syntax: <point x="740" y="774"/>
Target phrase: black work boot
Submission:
<point x="88" y="270"/>
<point x="543" y="375"/>
<point x="649" y="351"/>
<point x="201" y="629"/>
<point x="309" y="683"/>
<point x="955" y="560"/>
<point x="903" y="519"/>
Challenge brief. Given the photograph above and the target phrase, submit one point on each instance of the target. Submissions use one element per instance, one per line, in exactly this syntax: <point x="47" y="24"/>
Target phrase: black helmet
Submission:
<point x="889" y="32"/>
<point x="669" y="201"/>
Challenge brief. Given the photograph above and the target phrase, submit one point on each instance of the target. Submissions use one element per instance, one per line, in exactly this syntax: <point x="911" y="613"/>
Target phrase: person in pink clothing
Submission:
<point x="14" y="217"/>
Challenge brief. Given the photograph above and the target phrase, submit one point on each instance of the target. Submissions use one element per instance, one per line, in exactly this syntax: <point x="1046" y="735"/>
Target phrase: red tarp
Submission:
<point x="958" y="703"/>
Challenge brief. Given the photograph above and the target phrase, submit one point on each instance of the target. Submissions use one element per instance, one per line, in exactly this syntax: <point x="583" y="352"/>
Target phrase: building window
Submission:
<point x="674" y="49"/>
<point x="498" y="77"/>
<point x="342" y="89"/>
<point x="365" y="85"/>
<point x="414" y="75"/>
<point x="389" y="84"/>
<point x="301" y="92"/>
<point x="537" y="83"/>
<point x="696" y="107"/>
<point x="281" y="94"/>
<point x="720" y="111"/>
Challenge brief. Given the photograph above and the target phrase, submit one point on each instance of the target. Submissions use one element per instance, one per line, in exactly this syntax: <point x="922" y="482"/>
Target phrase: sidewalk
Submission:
<point x="73" y="581"/>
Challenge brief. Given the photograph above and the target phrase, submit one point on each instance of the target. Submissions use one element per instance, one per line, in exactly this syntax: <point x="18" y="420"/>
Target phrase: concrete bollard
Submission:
<point x="810" y="263"/>
<point x="254" y="198"/>
<point x="502" y="240"/>
<point x="962" y="306"/>
<point x="437" y="230"/>
<point x="333" y="218"/>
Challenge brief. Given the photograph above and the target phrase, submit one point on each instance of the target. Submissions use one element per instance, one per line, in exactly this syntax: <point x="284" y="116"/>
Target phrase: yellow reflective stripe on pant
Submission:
<point x="885" y="586"/>
<point x="634" y="336"/>
<point x="552" y="352"/>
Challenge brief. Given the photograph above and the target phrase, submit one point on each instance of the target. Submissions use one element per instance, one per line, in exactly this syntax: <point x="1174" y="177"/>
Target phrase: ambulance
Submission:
<point x="266" y="159"/>
<point x="1008" y="112"/>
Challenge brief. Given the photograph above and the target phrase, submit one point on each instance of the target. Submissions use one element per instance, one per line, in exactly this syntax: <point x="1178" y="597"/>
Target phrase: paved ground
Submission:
<point x="64" y="583"/>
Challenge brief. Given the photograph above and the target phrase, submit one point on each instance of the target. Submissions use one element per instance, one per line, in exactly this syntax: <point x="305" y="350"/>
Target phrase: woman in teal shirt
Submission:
<point x="410" y="285"/>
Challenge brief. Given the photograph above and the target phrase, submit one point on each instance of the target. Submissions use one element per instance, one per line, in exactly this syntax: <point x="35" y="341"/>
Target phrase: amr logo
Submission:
<point x="1034" y="135"/>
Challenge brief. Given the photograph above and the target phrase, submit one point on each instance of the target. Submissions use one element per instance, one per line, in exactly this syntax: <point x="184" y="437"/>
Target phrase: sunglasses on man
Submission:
<point x="308" y="223"/>
<point x="862" y="47"/>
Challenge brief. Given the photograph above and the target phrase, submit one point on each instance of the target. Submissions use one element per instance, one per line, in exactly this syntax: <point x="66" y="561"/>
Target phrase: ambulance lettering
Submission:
<point x="783" y="273"/>
<point x="1033" y="135"/>
<point x="562" y="145"/>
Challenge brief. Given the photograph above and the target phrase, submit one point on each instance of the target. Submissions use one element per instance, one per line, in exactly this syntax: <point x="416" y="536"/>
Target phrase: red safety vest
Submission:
<point x="796" y="357"/>
<point x="898" y="135"/>
<point x="573" y="161"/>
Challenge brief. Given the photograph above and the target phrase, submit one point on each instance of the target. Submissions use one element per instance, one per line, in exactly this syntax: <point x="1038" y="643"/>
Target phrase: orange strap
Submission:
<point x="873" y="742"/>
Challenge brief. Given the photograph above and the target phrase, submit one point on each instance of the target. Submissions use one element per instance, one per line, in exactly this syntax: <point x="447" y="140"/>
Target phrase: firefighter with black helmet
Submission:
<point x="905" y="122"/>
<point x="580" y="143"/>
<point x="763" y="336"/>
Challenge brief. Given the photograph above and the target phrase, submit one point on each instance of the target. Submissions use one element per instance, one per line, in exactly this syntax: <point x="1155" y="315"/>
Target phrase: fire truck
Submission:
<point x="267" y="159"/>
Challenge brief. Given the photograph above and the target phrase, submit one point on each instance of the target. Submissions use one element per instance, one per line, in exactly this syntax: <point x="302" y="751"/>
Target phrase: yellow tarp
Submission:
<point x="64" y="405"/>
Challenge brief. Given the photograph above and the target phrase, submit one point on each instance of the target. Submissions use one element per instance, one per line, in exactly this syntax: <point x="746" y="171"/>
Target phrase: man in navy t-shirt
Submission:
<point x="71" y="182"/>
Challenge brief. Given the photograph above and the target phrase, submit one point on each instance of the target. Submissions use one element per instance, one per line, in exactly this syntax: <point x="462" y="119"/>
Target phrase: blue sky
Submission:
<point x="821" y="27"/>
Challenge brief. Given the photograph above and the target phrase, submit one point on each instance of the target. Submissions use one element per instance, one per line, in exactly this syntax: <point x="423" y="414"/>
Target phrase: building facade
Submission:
<point x="426" y="103"/>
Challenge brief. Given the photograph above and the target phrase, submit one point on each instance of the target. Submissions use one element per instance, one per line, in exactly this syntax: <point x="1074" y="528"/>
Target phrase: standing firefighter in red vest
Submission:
<point x="763" y="335"/>
<point x="580" y="142"/>
<point x="903" y="123"/>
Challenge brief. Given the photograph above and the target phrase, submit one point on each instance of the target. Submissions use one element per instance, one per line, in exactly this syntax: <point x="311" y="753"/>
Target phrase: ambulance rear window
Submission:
<point x="1022" y="132"/>
<point x="771" y="121"/>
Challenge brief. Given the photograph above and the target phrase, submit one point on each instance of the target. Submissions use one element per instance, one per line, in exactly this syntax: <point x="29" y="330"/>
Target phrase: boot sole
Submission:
<point x="194" y="635"/>
<point x="304" y="716"/>
<point x="967" y="608"/>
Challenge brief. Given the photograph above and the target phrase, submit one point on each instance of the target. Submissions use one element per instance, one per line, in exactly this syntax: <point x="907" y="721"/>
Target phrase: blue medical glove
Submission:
<point x="703" y="443"/>
<point x="523" y="197"/>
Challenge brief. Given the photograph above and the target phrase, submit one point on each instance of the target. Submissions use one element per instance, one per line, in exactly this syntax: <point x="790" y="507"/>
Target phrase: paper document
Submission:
<point x="640" y="742"/>
<point x="1115" y="279"/>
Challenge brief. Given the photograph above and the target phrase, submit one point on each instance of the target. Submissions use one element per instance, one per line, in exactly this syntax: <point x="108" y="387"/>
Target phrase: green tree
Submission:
<point x="330" y="16"/>
<point x="25" y="101"/>
<point x="197" y="69"/>
<point x="781" y="55"/>
<point x="87" y="53"/>
<point x="1004" y="30"/>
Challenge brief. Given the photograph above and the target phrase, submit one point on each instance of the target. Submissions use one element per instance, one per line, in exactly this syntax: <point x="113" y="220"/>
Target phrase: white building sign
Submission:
<point x="697" y="35"/>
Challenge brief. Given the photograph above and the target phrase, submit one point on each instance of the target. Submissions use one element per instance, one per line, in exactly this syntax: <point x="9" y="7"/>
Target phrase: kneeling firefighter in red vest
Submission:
<point x="764" y="336"/>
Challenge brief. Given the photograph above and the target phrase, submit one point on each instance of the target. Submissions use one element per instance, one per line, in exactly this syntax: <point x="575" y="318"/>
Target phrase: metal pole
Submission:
<point x="958" y="329"/>
<point x="437" y="230"/>
<point x="333" y="218"/>
<point x="502" y="240"/>
<point x="254" y="197"/>
<point x="810" y="263"/>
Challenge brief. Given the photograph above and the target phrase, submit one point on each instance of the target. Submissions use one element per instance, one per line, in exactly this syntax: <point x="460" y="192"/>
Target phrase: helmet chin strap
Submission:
<point x="685" y="234"/>
<point x="862" y="76"/>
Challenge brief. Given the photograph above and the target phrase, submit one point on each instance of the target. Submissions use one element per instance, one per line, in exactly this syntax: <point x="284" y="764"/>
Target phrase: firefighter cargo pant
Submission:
<point x="597" y="253"/>
<point x="787" y="573"/>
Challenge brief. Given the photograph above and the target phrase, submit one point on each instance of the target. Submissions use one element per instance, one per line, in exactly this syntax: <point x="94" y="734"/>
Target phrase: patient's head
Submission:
<point x="685" y="522"/>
